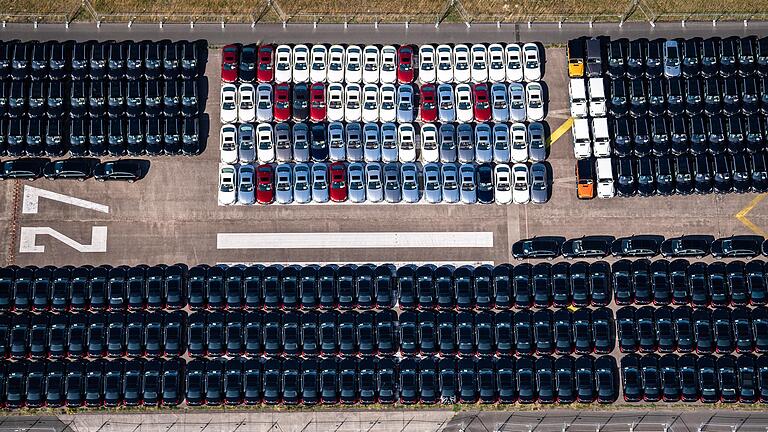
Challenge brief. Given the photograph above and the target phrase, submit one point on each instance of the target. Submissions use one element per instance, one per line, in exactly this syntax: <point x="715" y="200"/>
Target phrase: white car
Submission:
<point x="227" y="187"/>
<point x="461" y="64"/>
<point x="371" y="64"/>
<point x="532" y="69"/>
<point x="263" y="103"/>
<point x="405" y="106"/>
<point x="300" y="64"/>
<point x="245" y="190"/>
<point x="514" y="63"/>
<point x="479" y="71"/>
<point x="387" y="107"/>
<point x="519" y="150"/>
<point x="464" y="107"/>
<point x="335" y="73"/>
<point x="406" y="138"/>
<point x="370" y="103"/>
<point x="353" y="70"/>
<point x="430" y="151"/>
<point x="228" y="143"/>
<point x="352" y="104"/>
<point x="283" y="64"/>
<point x="517" y="102"/>
<point x="335" y="102"/>
<point x="265" y="143"/>
<point x="502" y="181"/>
<point x="228" y="110"/>
<point x="521" y="184"/>
<point x="496" y="69"/>
<point x="388" y="72"/>
<point x="427" y="70"/>
<point x="577" y="95"/>
<point x="444" y="64"/>
<point x="319" y="65"/>
<point x="534" y="101"/>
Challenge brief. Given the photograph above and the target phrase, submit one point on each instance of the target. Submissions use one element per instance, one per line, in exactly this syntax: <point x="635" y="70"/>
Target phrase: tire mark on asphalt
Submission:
<point x="13" y="226"/>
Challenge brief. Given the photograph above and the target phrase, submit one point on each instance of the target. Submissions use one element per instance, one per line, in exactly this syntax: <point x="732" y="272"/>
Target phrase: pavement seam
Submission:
<point x="13" y="226"/>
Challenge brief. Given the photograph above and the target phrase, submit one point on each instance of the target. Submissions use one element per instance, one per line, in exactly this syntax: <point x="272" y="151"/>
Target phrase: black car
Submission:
<point x="727" y="375"/>
<point x="300" y="102"/>
<point x="665" y="178"/>
<point x="542" y="285"/>
<point x="638" y="98"/>
<point x="737" y="246"/>
<point x="587" y="247"/>
<point x="689" y="378"/>
<point x="656" y="99"/>
<point x="584" y="379"/>
<point x="636" y="57"/>
<point x="564" y="379"/>
<point x="637" y="246"/>
<point x="703" y="174"/>
<point x="128" y="170"/>
<point x="686" y="246"/>
<point x="756" y="283"/>
<point x="617" y="53"/>
<point x="526" y="379"/>
<point x="759" y="178"/>
<point x="584" y="342"/>
<point x="646" y="177"/>
<point x="622" y="137"/>
<point x="537" y="248"/>
<point x="747" y="379"/>
<point x="683" y="329"/>
<point x="23" y="169"/>
<point x="709" y="382"/>
<point x="626" y="170"/>
<point x="606" y="383"/>
<point x="683" y="170"/>
<point x="505" y="379"/>
<point x="632" y="378"/>
<point x="603" y="331"/>
<point x="252" y="384"/>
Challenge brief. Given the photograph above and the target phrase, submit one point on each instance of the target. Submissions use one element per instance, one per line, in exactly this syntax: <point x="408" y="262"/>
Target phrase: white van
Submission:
<point x="582" y="145"/>
<point x="597" y="97"/>
<point x="601" y="141"/>
<point x="605" y="187"/>
<point x="578" y="97"/>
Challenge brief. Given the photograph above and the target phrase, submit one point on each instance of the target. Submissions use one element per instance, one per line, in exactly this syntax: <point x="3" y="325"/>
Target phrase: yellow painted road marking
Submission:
<point x="572" y="308"/>
<point x="560" y="131"/>
<point x="742" y="215"/>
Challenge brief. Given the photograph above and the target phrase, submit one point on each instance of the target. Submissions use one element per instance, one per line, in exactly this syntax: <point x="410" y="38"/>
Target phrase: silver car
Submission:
<point x="283" y="152"/>
<point x="373" y="182"/>
<point x="245" y="189"/>
<point x="500" y="143"/>
<point x="319" y="183"/>
<point x="447" y="143"/>
<point x="405" y="103"/>
<point x="433" y="191"/>
<point x="466" y="144"/>
<point x="671" y="58"/>
<point x="499" y="103"/>
<point x="410" y="176"/>
<point x="537" y="147"/>
<point x="300" y="142"/>
<point x="392" y="191"/>
<point x="450" y="183"/>
<point x="356" y="183"/>
<point x="264" y="102"/>
<point x="389" y="151"/>
<point x="445" y="103"/>
<point x="539" y="187"/>
<point x="483" y="143"/>
<point x="336" y="146"/>
<point x="372" y="142"/>
<point x="517" y="102"/>
<point x="284" y="184"/>
<point x="354" y="135"/>
<point x="245" y="146"/>
<point x="468" y="184"/>
<point x="301" y="187"/>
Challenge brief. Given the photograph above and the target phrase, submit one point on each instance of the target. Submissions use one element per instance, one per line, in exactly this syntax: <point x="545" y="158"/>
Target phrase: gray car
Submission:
<point x="356" y="183"/>
<point x="245" y="189"/>
<point x="392" y="191"/>
<point x="468" y="184"/>
<point x="539" y="187"/>
<point x="499" y="103"/>
<point x="517" y="102"/>
<point x="300" y="142"/>
<point x="466" y="144"/>
<point x="336" y="146"/>
<point x="447" y="143"/>
<point x="372" y="142"/>
<point x="446" y="105"/>
<point x="373" y="182"/>
<point x="389" y="151"/>
<point x="410" y="176"/>
<point x="483" y="143"/>
<point x="354" y="135"/>
<point x="537" y="147"/>
<point x="405" y="103"/>
<point x="245" y="146"/>
<point x="283" y="152"/>
<point x="302" y="192"/>
<point x="284" y="184"/>
<point x="433" y="191"/>
<point x="500" y="143"/>
<point x="450" y="175"/>
<point x="319" y="183"/>
<point x="264" y="102"/>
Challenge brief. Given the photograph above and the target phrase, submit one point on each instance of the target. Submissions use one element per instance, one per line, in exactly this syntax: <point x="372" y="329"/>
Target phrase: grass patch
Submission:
<point x="541" y="10"/>
<point x="710" y="9"/>
<point x="178" y="10"/>
<point x="8" y="8"/>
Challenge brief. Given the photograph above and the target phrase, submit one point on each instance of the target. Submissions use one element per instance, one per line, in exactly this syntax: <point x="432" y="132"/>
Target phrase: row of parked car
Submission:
<point x="463" y="103"/>
<point x="388" y="142"/>
<point x="427" y="332"/>
<point x="129" y="170"/>
<point x="386" y="64"/>
<point x="431" y="183"/>
<point x="665" y="329"/>
<point x="110" y="60"/>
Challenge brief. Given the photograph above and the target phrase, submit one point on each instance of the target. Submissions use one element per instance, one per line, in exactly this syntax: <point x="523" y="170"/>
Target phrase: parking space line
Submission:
<point x="394" y="263"/>
<point x="742" y="215"/>
<point x="359" y="240"/>
<point x="560" y="131"/>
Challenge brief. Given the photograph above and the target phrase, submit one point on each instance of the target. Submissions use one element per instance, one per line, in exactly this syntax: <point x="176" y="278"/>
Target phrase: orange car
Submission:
<point x="585" y="176"/>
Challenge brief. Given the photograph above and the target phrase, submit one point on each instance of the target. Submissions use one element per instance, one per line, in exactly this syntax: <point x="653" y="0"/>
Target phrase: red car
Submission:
<point x="405" y="64"/>
<point x="428" y="109"/>
<point x="229" y="63"/>
<point x="265" y="191"/>
<point x="338" y="182"/>
<point x="317" y="102"/>
<point x="282" y="107"/>
<point x="482" y="103"/>
<point x="266" y="71"/>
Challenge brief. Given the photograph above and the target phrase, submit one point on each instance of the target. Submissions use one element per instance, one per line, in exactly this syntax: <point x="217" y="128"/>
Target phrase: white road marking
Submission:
<point x="32" y="196"/>
<point x="395" y="263"/>
<point x="359" y="240"/>
<point x="28" y="237"/>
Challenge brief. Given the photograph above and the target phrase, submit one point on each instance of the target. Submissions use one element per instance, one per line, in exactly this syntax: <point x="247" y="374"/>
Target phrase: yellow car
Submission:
<point x="576" y="58"/>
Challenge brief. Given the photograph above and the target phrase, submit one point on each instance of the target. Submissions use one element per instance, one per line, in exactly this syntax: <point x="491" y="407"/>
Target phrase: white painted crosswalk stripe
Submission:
<point x="358" y="240"/>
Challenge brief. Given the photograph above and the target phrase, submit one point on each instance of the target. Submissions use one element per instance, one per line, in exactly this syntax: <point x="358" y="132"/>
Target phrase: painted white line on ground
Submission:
<point x="32" y="197"/>
<point x="360" y="240"/>
<point x="395" y="263"/>
<point x="28" y="237"/>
